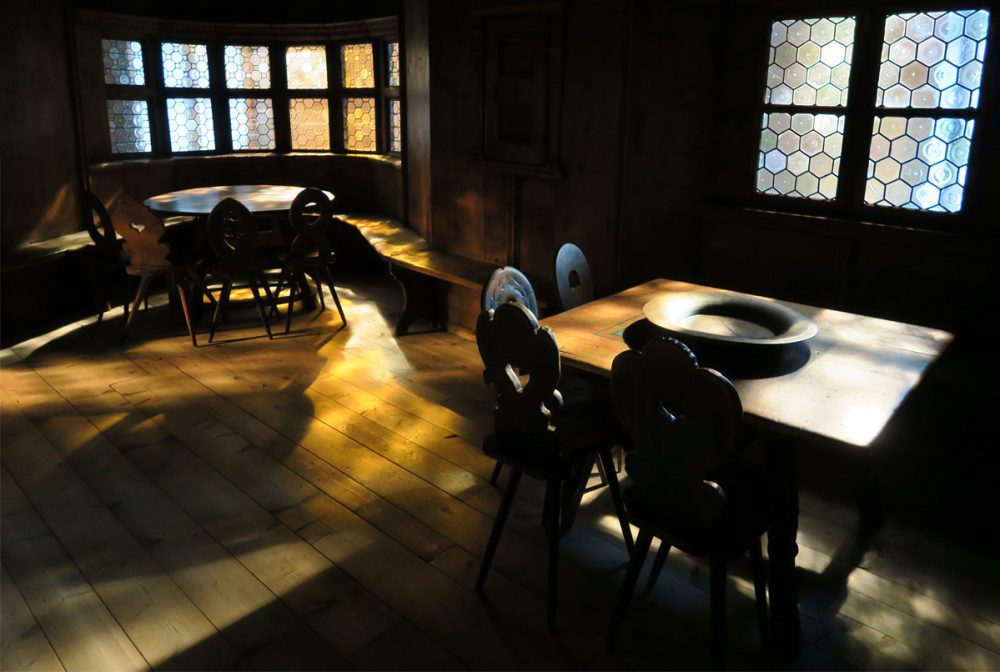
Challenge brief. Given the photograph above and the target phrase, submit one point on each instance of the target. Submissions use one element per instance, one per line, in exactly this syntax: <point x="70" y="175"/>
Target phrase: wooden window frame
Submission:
<point x="859" y="115"/>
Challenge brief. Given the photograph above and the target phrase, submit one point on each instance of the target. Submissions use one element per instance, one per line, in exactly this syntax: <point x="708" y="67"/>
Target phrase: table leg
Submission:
<point x="781" y="550"/>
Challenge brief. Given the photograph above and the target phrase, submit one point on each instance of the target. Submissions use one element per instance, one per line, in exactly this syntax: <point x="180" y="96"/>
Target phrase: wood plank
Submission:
<point x="23" y="645"/>
<point x="262" y="629"/>
<point x="159" y="619"/>
<point x="82" y="632"/>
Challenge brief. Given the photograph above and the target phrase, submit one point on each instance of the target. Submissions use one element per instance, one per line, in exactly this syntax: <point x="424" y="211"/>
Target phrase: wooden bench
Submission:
<point x="419" y="269"/>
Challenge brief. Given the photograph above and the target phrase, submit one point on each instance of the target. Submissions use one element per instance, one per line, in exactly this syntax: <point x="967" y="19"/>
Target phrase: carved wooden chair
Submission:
<point x="530" y="435"/>
<point x="691" y="488"/>
<point x="149" y="256"/>
<point x="505" y="285"/>
<point x="109" y="259"/>
<point x="571" y="272"/>
<point x="232" y="237"/>
<point x="310" y="219"/>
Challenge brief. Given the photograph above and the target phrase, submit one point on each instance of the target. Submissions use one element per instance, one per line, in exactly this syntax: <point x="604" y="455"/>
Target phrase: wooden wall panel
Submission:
<point x="41" y="170"/>
<point x="417" y="114"/>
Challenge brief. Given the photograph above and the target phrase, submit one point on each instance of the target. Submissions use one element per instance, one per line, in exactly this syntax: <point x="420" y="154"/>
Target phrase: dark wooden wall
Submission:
<point x="39" y="192"/>
<point x="658" y="109"/>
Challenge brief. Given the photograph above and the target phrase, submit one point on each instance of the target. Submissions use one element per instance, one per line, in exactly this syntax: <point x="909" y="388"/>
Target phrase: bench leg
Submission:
<point x="422" y="296"/>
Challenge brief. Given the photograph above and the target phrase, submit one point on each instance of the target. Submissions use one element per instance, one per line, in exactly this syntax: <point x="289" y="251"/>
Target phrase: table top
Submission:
<point x="258" y="198"/>
<point x="857" y="370"/>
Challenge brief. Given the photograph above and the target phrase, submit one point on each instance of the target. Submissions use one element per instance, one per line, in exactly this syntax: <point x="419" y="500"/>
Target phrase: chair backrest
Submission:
<point x="510" y="344"/>
<point x="682" y="420"/>
<point x="310" y="216"/>
<point x="232" y="234"/>
<point x="573" y="281"/>
<point x="98" y="223"/>
<point x="508" y="284"/>
<point x="143" y="232"/>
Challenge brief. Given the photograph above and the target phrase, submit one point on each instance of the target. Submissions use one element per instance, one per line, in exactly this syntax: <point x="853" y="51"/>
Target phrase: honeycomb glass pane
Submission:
<point x="396" y="123"/>
<point x="310" y="119"/>
<point x="359" y="124"/>
<point x="123" y="62"/>
<point x="251" y="121"/>
<point x="359" y="66"/>
<point x="128" y="125"/>
<point x="247" y="67"/>
<point x="393" y="59"/>
<point x="933" y="59"/>
<point x="306" y="67"/>
<point x="192" y="128"/>
<point x="185" y="66"/>
<point x="799" y="155"/>
<point x="919" y="163"/>
<point x="810" y="61"/>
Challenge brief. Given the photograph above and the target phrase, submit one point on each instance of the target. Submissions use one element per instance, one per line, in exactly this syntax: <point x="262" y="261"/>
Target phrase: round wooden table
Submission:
<point x="260" y="199"/>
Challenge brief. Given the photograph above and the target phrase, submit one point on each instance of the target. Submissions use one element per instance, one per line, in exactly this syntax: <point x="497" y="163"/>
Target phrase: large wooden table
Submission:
<point x="258" y="198"/>
<point x="849" y="380"/>
<point x="859" y="368"/>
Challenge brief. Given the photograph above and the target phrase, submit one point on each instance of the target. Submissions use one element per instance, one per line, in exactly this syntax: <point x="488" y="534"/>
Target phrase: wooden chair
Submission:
<point x="571" y="272"/>
<point x="109" y="259"/>
<point x="505" y="285"/>
<point x="232" y="236"/>
<point x="311" y="219"/>
<point x="149" y="256"/>
<point x="690" y="488"/>
<point x="529" y="433"/>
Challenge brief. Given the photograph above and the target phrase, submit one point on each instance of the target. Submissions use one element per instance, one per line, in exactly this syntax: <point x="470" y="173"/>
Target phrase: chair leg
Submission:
<point x="182" y="293"/>
<point x="498" y="524"/>
<point x="497" y="468"/>
<point x="628" y="586"/>
<point x="717" y="581"/>
<point x="139" y="296"/>
<point x="760" y="591"/>
<point x="333" y="292"/>
<point x="314" y="274"/>
<point x="260" y="306"/>
<point x="616" y="496"/>
<point x="658" y="562"/>
<point x="277" y="291"/>
<point x="220" y="306"/>
<point x="554" y="494"/>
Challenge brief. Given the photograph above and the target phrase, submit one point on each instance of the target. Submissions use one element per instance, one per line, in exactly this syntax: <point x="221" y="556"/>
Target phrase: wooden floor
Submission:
<point x="320" y="501"/>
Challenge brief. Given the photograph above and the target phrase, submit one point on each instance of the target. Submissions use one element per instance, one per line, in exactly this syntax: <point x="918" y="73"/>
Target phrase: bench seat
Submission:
<point x="418" y="266"/>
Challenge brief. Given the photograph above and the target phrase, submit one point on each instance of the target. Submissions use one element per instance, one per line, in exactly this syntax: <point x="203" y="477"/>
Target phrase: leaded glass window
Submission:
<point x="809" y="68"/>
<point x="185" y="66"/>
<point x="358" y="66"/>
<point x="192" y="128"/>
<point x="252" y="123"/>
<point x="310" y="123"/>
<point x="396" y="124"/>
<point x="128" y="122"/>
<point x="927" y="80"/>
<point x="123" y="62"/>
<point x="930" y="61"/>
<point x="359" y="124"/>
<point x="247" y="67"/>
<point x="306" y="67"/>
<point x="392" y="56"/>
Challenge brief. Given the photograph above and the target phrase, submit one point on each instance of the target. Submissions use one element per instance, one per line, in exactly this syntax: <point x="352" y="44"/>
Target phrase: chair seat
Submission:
<point x="752" y="505"/>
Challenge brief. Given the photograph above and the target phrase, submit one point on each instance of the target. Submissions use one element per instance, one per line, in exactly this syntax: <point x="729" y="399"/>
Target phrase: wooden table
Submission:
<point x="260" y="199"/>
<point x="852" y="377"/>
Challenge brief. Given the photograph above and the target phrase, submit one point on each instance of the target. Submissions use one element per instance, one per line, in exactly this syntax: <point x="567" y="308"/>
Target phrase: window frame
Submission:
<point x="859" y="115"/>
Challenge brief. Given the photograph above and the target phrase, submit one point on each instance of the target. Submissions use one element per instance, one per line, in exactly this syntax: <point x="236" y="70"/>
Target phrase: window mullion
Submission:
<point x="220" y="97"/>
<point x="860" y="110"/>
<point x="280" y="98"/>
<point x="336" y="96"/>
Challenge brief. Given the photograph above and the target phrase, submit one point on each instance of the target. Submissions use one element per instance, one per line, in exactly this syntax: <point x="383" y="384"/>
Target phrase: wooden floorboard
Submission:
<point x="320" y="501"/>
